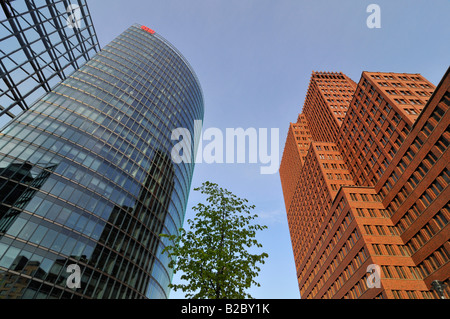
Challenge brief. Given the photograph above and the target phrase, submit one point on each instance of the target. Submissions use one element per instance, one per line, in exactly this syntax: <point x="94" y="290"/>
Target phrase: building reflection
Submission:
<point x="18" y="184"/>
<point x="13" y="286"/>
<point x="125" y="251"/>
<point x="133" y="232"/>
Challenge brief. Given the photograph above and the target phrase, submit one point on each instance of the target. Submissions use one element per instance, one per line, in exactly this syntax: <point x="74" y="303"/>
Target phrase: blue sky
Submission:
<point x="254" y="59"/>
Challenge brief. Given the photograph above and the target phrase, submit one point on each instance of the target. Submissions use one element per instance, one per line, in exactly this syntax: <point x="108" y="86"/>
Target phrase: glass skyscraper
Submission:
<point x="41" y="44"/>
<point x="86" y="175"/>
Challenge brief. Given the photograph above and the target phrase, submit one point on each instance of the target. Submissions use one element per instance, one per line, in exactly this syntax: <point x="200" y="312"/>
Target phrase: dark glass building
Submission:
<point x="41" y="44"/>
<point x="86" y="175"/>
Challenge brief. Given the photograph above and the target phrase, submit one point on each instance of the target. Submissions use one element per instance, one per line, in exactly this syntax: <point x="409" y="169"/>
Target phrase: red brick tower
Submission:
<point x="367" y="187"/>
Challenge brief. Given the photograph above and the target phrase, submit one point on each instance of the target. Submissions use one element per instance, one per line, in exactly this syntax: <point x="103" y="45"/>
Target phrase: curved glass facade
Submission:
<point x="86" y="175"/>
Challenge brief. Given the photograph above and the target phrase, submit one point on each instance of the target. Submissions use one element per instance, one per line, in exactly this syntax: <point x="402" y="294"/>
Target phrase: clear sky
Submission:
<point x="254" y="60"/>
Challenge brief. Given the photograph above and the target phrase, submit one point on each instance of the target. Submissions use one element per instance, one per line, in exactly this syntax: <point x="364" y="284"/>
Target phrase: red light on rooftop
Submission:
<point x="148" y="29"/>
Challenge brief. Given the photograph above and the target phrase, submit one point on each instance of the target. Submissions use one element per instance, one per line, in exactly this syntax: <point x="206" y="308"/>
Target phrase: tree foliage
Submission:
<point x="214" y="254"/>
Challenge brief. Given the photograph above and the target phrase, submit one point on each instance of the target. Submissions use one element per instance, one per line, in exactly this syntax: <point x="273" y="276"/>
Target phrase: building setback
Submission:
<point x="364" y="174"/>
<point x="86" y="175"/>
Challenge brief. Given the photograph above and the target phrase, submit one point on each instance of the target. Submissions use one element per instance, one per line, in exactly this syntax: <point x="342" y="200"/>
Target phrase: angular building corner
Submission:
<point x="365" y="174"/>
<point x="87" y="178"/>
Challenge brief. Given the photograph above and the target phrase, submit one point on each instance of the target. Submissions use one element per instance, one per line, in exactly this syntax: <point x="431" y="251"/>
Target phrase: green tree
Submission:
<point x="213" y="254"/>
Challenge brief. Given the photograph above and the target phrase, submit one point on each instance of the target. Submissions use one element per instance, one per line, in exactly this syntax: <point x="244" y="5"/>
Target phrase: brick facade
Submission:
<point x="369" y="186"/>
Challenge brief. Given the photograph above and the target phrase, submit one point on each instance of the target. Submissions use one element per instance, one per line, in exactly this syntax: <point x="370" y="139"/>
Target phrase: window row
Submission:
<point x="356" y="263"/>
<point x="364" y="197"/>
<point x="439" y="220"/>
<point x="380" y="230"/>
<point x="352" y="267"/>
<point x="435" y="261"/>
<point x="325" y="233"/>
<point x="428" y="231"/>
